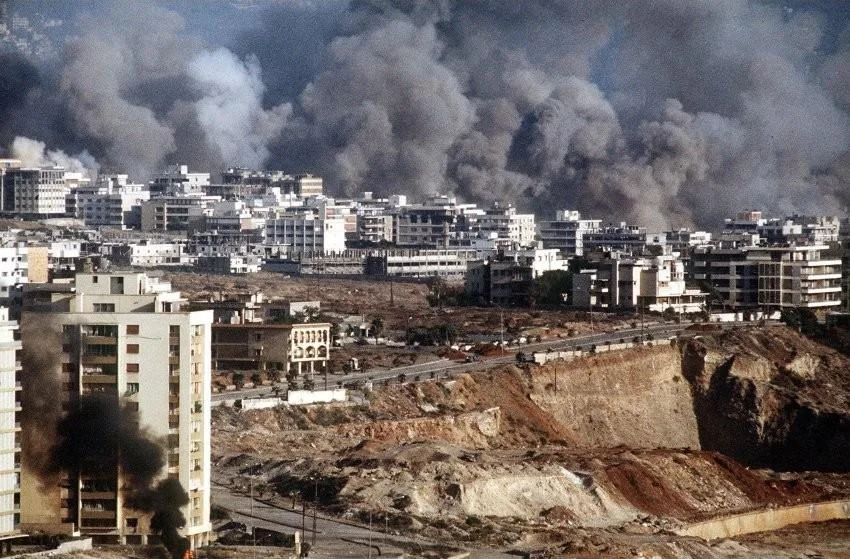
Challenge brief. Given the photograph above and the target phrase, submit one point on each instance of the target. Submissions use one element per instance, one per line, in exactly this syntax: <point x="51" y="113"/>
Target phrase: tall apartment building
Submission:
<point x="10" y="443"/>
<point x="32" y="191"/>
<point x="306" y="232"/>
<point x="566" y="232"/>
<point x="505" y="223"/>
<point x="127" y="336"/>
<point x="769" y="277"/>
<point x="434" y="224"/>
<point x="111" y="201"/>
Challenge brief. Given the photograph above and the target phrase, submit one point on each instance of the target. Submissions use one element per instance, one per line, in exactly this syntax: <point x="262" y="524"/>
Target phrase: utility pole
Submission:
<point x="253" y="520"/>
<point x="501" y="327"/>
<point x="370" y="534"/>
<point x="315" y="512"/>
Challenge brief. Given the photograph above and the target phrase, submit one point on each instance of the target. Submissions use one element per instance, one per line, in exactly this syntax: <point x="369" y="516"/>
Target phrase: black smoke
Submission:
<point x="96" y="433"/>
<point x="671" y="112"/>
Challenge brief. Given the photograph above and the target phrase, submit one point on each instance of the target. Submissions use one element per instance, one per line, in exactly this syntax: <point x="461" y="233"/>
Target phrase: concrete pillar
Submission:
<point x="299" y="368"/>
<point x="297" y="544"/>
<point x="144" y="539"/>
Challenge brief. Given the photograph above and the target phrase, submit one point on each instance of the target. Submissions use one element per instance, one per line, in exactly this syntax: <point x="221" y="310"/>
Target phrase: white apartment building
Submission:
<point x="144" y="254"/>
<point x="14" y="268"/>
<point x="177" y="180"/>
<point x="35" y="191"/>
<point x="649" y="284"/>
<point x="127" y="335"/>
<point x="111" y="202"/>
<point x="420" y="263"/>
<point x="10" y="430"/>
<point x="566" y="232"/>
<point x="506" y="223"/>
<point x="235" y="264"/>
<point x="306" y="232"/>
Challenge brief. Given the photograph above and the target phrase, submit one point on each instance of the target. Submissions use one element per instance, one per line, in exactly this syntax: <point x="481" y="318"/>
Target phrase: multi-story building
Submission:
<point x="5" y="165"/>
<point x="237" y="264"/>
<point x="144" y="253"/>
<point x="507" y="278"/>
<point x="434" y="224"/>
<point x="126" y="336"/>
<point x="505" y="223"/>
<point x="796" y="276"/>
<point x="10" y="435"/>
<point x="566" y="232"/>
<point x="448" y="263"/>
<point x="298" y="348"/>
<point x="177" y="180"/>
<point x="649" y="284"/>
<point x="176" y="213"/>
<point x="111" y="202"/>
<point x="769" y="277"/>
<point x="629" y="239"/>
<point x="306" y="232"/>
<point x="243" y="181"/>
<point x="35" y="192"/>
<point x="14" y="269"/>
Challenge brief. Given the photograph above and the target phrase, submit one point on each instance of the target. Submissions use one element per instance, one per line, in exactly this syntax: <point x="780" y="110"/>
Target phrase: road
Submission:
<point x="447" y="368"/>
<point x="333" y="538"/>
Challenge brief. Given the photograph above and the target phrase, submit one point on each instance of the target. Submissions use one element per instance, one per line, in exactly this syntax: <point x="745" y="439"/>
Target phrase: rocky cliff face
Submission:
<point x="771" y="398"/>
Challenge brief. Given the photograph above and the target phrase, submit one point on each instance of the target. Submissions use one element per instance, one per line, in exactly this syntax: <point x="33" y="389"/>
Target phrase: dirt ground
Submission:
<point x="408" y="305"/>
<point x="507" y="458"/>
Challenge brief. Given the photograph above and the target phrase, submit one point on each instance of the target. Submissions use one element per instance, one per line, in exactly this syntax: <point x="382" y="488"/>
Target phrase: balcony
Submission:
<point x="99" y="340"/>
<point x="97" y="514"/>
<point x="99" y="360"/>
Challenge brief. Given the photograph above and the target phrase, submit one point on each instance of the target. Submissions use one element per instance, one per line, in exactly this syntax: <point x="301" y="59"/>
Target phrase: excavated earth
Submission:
<point x="608" y="454"/>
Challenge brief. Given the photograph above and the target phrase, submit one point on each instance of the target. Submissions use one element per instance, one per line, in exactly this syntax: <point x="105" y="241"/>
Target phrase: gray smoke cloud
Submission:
<point x="666" y="113"/>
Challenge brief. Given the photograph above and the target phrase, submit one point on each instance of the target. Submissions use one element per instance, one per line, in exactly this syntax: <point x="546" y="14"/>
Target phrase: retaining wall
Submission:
<point x="767" y="520"/>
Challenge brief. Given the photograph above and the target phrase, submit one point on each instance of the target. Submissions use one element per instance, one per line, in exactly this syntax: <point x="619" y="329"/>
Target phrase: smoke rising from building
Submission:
<point x="675" y="112"/>
<point x="96" y="434"/>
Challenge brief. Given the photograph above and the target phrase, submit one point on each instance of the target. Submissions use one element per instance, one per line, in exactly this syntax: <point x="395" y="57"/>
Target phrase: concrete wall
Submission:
<point x="542" y="357"/>
<point x="302" y="397"/>
<point x="766" y="520"/>
<point x="258" y="403"/>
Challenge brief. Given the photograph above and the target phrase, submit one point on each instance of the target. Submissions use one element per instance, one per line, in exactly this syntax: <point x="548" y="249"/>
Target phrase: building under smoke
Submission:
<point x="117" y="378"/>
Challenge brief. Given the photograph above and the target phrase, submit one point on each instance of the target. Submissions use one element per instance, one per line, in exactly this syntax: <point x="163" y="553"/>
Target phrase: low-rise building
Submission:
<point x="297" y="348"/>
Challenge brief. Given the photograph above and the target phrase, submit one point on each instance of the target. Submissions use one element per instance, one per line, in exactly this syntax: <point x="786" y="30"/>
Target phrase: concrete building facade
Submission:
<point x="126" y="336"/>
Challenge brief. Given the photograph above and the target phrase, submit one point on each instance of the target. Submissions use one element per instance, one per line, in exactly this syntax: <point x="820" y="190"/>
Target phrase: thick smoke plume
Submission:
<point x="671" y="112"/>
<point x="97" y="433"/>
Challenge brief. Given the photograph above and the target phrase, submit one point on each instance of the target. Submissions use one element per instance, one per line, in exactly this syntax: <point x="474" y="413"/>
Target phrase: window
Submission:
<point x="104" y="307"/>
<point x="132" y="329"/>
<point x="132" y="348"/>
<point x="132" y="387"/>
<point x="132" y="367"/>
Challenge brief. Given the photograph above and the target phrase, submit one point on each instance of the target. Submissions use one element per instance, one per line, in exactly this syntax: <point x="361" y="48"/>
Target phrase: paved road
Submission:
<point x="445" y="367"/>
<point x="333" y="538"/>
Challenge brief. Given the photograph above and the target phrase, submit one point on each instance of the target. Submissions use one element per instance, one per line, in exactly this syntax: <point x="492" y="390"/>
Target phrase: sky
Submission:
<point x="665" y="113"/>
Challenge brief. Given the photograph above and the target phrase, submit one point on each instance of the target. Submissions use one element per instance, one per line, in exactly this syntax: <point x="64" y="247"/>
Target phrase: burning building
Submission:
<point x="116" y="381"/>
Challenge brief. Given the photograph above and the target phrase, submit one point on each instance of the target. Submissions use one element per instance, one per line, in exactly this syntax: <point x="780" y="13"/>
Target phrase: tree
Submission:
<point x="377" y="327"/>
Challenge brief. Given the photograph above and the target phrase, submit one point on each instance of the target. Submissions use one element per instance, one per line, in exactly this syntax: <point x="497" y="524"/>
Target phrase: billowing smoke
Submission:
<point x="671" y="112"/>
<point x="231" y="112"/>
<point x="35" y="153"/>
<point x="97" y="433"/>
